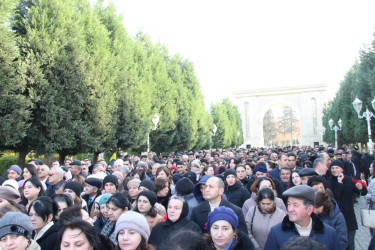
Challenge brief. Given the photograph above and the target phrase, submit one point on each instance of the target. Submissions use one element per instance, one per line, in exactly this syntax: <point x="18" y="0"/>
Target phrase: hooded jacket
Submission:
<point x="197" y="191"/>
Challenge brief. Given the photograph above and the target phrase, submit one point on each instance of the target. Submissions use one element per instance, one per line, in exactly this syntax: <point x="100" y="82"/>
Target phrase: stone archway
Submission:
<point x="307" y="100"/>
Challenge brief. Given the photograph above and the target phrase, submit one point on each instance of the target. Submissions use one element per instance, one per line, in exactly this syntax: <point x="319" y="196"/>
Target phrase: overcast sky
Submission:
<point x="250" y="44"/>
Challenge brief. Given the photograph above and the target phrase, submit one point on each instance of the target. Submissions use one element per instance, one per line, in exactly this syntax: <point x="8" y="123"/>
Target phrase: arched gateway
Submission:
<point x="306" y="100"/>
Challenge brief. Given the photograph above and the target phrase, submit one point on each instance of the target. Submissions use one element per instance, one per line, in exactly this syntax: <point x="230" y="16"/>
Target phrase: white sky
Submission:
<point x="249" y="44"/>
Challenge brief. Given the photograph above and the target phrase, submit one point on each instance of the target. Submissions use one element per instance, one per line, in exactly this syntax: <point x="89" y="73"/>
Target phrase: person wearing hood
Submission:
<point x="177" y="220"/>
<point x="234" y="190"/>
<point x="343" y="188"/>
<point x="199" y="187"/>
<point x="184" y="188"/>
<point x="329" y="212"/>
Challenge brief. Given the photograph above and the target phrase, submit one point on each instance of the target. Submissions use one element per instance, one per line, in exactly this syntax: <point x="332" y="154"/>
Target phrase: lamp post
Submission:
<point x="213" y="134"/>
<point x="322" y="131"/>
<point x="357" y="104"/>
<point x="155" y="121"/>
<point x="238" y="136"/>
<point x="335" y="128"/>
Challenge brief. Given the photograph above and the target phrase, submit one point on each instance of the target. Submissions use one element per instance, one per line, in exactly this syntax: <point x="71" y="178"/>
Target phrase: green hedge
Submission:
<point x="6" y="162"/>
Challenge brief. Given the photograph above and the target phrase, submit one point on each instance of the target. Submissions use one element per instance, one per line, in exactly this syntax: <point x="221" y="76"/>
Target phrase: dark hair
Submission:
<point x="166" y="171"/>
<point x="266" y="193"/>
<point x="44" y="206"/>
<point x="373" y="168"/>
<point x="255" y="186"/>
<point x="141" y="173"/>
<point x="206" y="168"/>
<point x="85" y="227"/>
<point x="292" y="154"/>
<point x="152" y="212"/>
<point x="36" y="183"/>
<point x="316" y="179"/>
<point x="298" y="242"/>
<point x="119" y="200"/>
<point x="71" y="213"/>
<point x="184" y="240"/>
<point x="31" y="168"/>
<point x="322" y="199"/>
<point x="159" y="184"/>
<point x="63" y="198"/>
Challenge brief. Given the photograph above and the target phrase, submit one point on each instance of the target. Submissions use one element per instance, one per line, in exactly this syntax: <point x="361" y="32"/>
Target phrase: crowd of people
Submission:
<point x="258" y="198"/>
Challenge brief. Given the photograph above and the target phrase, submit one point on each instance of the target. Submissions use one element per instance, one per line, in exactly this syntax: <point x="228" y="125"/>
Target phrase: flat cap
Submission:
<point x="75" y="163"/>
<point x="307" y="172"/>
<point x="301" y="192"/>
<point x="95" y="182"/>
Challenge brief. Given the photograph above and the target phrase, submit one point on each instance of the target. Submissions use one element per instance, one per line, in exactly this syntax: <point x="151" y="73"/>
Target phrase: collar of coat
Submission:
<point x="317" y="224"/>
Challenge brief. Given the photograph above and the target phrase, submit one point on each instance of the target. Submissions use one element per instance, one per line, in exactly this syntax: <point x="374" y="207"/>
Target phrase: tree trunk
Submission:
<point x="95" y="157"/>
<point x="22" y="157"/>
<point x="62" y="156"/>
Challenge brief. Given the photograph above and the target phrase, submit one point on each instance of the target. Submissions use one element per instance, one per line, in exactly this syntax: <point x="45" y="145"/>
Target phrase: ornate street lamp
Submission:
<point x="155" y="121"/>
<point x="335" y="128"/>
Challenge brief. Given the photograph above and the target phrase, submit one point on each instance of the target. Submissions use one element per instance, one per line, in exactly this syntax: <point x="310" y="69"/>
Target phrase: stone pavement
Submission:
<point x="362" y="236"/>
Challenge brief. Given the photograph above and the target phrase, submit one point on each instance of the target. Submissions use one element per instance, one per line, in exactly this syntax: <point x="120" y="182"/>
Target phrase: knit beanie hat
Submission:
<point x="222" y="213"/>
<point x="16" y="223"/>
<point x="9" y="193"/>
<point x="192" y="176"/>
<point x="261" y="168"/>
<point x="177" y="177"/>
<point x="134" y="182"/>
<point x="75" y="186"/>
<point x="111" y="179"/>
<point x="104" y="198"/>
<point x="230" y="172"/>
<point x="15" y="168"/>
<point x="135" y="221"/>
<point x="150" y="195"/>
<point x="147" y="183"/>
<point x="337" y="163"/>
<point x="184" y="186"/>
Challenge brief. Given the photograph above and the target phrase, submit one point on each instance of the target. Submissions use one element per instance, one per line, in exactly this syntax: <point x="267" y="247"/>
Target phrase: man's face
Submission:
<point x="191" y="157"/>
<point x="75" y="170"/>
<point x="90" y="189"/>
<point x="67" y="162"/>
<point x="154" y="169"/>
<point x="53" y="177"/>
<point x="181" y="169"/>
<point x="13" y="174"/>
<point x="283" y="162"/>
<point x="297" y="211"/>
<point x="42" y="172"/>
<point x="336" y="170"/>
<point x="241" y="173"/>
<point x="291" y="162"/>
<point x="87" y="161"/>
<point x="273" y="157"/>
<point x="212" y="190"/>
<point x="321" y="169"/>
<point x="85" y="169"/>
<point x="55" y="164"/>
<point x="349" y="157"/>
<point x="216" y="157"/>
<point x="285" y="176"/>
<point x="327" y="160"/>
<point x="116" y="167"/>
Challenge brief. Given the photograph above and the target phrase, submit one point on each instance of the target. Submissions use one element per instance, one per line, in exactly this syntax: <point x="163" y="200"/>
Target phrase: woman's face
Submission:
<point x="30" y="192"/>
<point x="96" y="208"/>
<point x="143" y="204"/>
<point x="104" y="210"/>
<point x="231" y="180"/>
<point x="133" y="191"/>
<point x="75" y="239"/>
<point x="62" y="206"/>
<point x="210" y="171"/>
<point x="110" y="188"/>
<point x="266" y="206"/>
<point x="265" y="184"/>
<point x="174" y="209"/>
<point x="318" y="210"/>
<point x="128" y="239"/>
<point x="136" y="176"/>
<point x="4" y="202"/>
<point x="37" y="221"/>
<point x="114" y="212"/>
<point x="26" y="174"/>
<point x="164" y="191"/>
<point x="221" y="233"/>
<point x="162" y="174"/>
<point x="232" y="164"/>
<point x="71" y="192"/>
<point x="371" y="168"/>
<point x="249" y="171"/>
<point x="296" y="179"/>
<point x="14" y="242"/>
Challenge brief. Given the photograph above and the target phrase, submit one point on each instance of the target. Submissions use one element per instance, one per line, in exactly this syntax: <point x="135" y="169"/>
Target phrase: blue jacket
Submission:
<point x="321" y="232"/>
<point x="197" y="192"/>
<point x="336" y="220"/>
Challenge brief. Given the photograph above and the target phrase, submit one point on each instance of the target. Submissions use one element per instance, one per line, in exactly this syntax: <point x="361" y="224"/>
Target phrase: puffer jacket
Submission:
<point x="237" y="194"/>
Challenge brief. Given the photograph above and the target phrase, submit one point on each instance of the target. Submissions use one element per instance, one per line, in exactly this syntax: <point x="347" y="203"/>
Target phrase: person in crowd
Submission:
<point x="195" y="167"/>
<point x="132" y="232"/>
<point x="32" y="189"/>
<point x="117" y="204"/>
<point x="10" y="196"/>
<point x="164" y="172"/>
<point x="235" y="191"/>
<point x="110" y="184"/>
<point x="76" y="169"/>
<point x="181" y="167"/>
<point x="212" y="193"/>
<point x="74" y="189"/>
<point x="343" y="189"/>
<point x="63" y="201"/>
<point x="370" y="196"/>
<point x="285" y="174"/>
<point x="28" y="171"/>
<point x="120" y="179"/>
<point x="299" y="242"/>
<point x="102" y="216"/>
<point x="162" y="191"/>
<point x="146" y="184"/>
<point x="301" y="221"/>
<point x="91" y="190"/>
<point x="177" y="220"/>
<point x="43" y="175"/>
<point x="222" y="226"/>
<point x="14" y="172"/>
<point x="16" y="232"/>
<point x="208" y="170"/>
<point x="145" y="203"/>
<point x="42" y="213"/>
<point x="133" y="189"/>
<point x="184" y="188"/>
<point x="328" y="212"/>
<point x="296" y="179"/>
<point x="281" y="162"/>
<point x="318" y="182"/>
<point x="305" y="174"/>
<point x="199" y="188"/>
<point x="184" y="240"/>
<point x="242" y="174"/>
<point x="75" y="212"/>
<point x="56" y="175"/>
<point x="262" y="217"/>
<point x="259" y="184"/>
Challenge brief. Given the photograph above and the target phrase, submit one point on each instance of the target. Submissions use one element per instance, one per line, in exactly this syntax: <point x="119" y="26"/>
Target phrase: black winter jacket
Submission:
<point x="237" y="194"/>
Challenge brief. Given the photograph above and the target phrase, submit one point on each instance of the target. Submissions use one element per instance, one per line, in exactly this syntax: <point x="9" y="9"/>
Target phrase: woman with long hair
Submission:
<point x="32" y="189"/>
<point x="145" y="204"/>
<point x="162" y="190"/>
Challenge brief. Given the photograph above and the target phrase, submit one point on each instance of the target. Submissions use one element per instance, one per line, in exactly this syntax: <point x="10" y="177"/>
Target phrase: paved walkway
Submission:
<point x="362" y="236"/>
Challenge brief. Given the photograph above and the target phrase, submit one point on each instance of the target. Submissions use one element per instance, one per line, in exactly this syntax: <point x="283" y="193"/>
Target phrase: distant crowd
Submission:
<point x="258" y="198"/>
